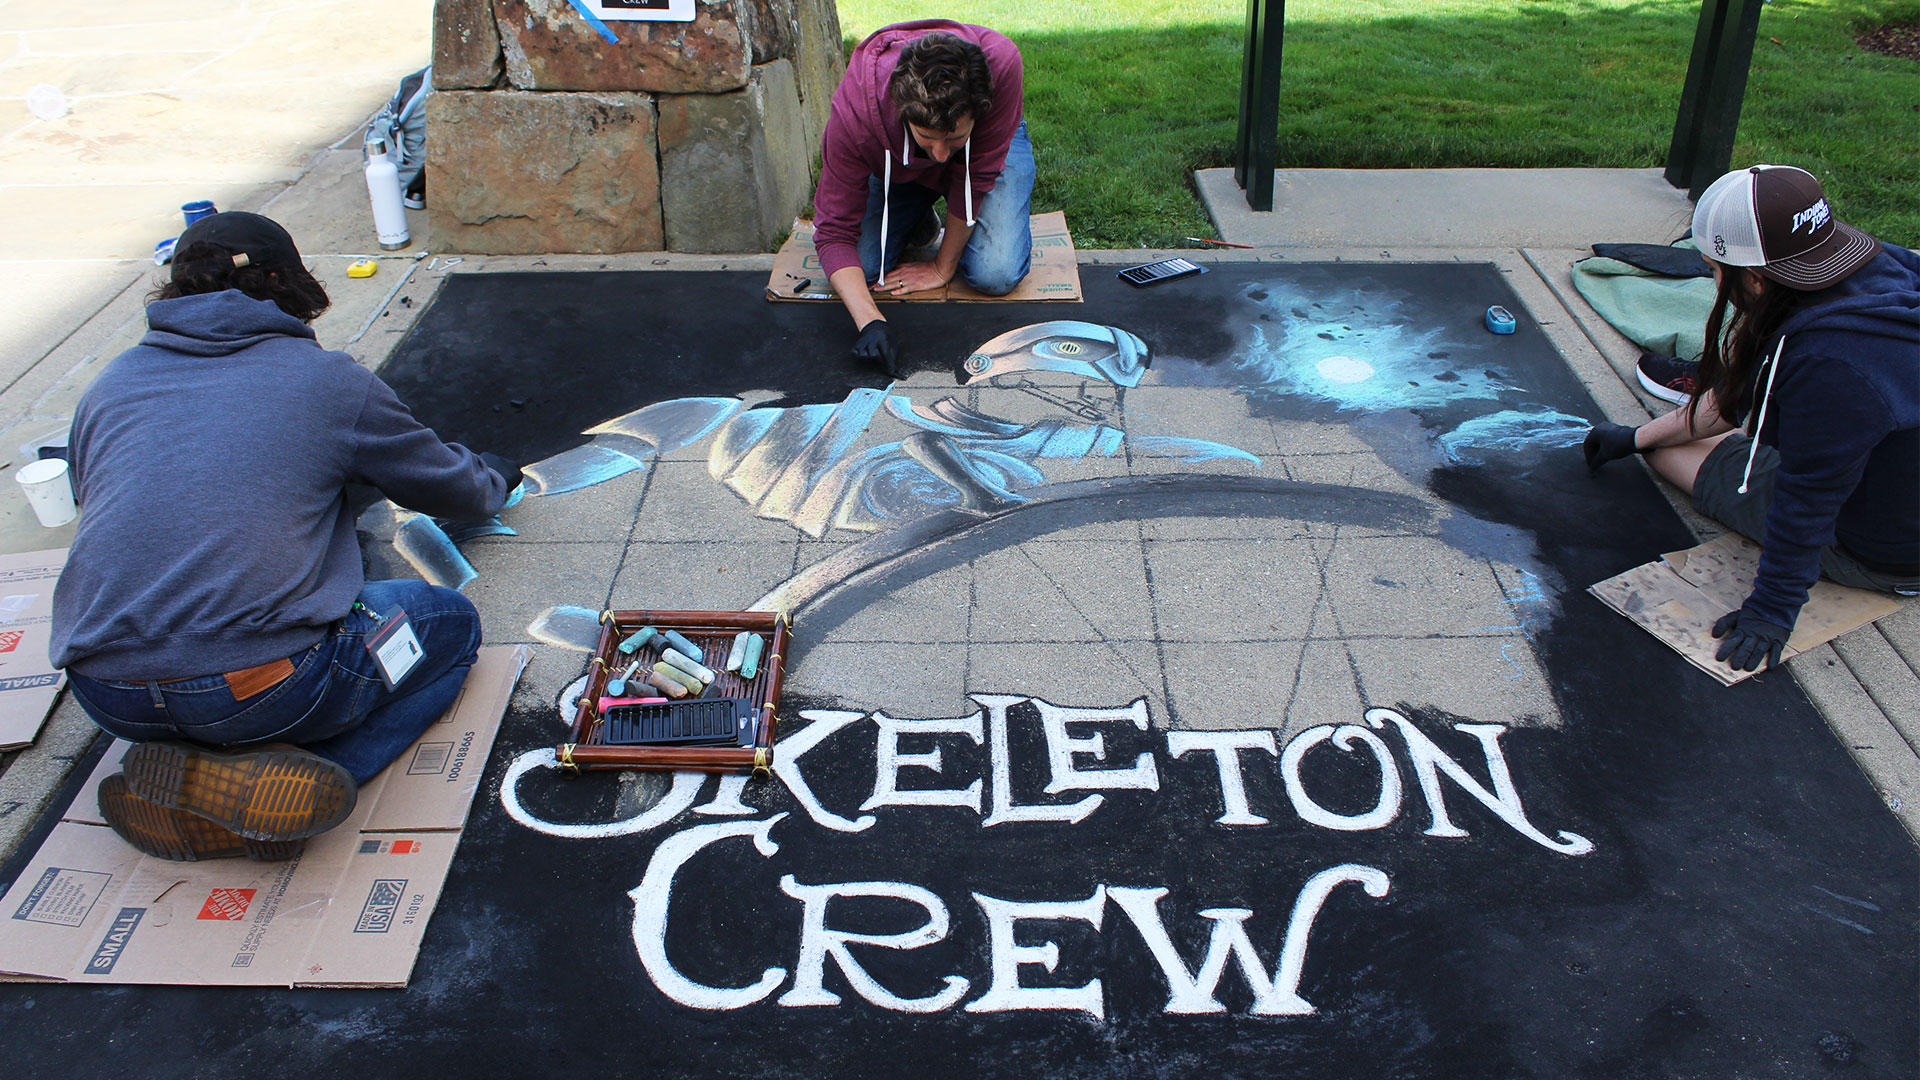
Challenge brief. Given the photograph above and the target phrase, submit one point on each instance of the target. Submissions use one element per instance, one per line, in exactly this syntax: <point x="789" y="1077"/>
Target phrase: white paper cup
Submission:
<point x="45" y="482"/>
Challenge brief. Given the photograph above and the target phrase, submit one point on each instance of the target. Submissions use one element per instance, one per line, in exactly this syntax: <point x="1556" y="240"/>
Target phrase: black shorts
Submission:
<point x="1716" y="493"/>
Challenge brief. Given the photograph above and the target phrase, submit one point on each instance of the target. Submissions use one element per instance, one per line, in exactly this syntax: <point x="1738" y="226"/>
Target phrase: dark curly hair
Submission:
<point x="207" y="268"/>
<point x="941" y="78"/>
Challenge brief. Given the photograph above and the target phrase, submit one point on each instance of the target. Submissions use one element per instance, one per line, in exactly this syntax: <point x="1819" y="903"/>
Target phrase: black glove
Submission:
<point x="1749" y="641"/>
<point x="1608" y="442"/>
<point x="508" y="470"/>
<point x="876" y="346"/>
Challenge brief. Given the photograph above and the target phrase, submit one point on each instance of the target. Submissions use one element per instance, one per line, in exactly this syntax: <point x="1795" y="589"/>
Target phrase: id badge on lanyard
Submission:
<point x="394" y="647"/>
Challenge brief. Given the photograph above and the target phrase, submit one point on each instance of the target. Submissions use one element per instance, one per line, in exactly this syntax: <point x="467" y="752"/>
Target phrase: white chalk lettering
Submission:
<point x="1062" y="747"/>
<point x="1429" y="761"/>
<point x="786" y="765"/>
<point x="1343" y="736"/>
<point x="686" y="788"/>
<point x="1275" y="995"/>
<point x="818" y="942"/>
<point x="1225" y="746"/>
<point x="726" y="801"/>
<point x="888" y="761"/>
<point x="1006" y="993"/>
<point x="650" y="900"/>
<point x="1004" y="808"/>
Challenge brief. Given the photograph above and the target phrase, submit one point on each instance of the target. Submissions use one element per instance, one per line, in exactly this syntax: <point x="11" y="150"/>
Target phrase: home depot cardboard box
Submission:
<point x="28" y="681"/>
<point x="349" y="911"/>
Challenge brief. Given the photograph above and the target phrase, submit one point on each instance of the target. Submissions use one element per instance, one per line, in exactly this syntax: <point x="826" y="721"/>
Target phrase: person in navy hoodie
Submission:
<point x="1806" y="434"/>
<point x="213" y="609"/>
<point x="926" y="109"/>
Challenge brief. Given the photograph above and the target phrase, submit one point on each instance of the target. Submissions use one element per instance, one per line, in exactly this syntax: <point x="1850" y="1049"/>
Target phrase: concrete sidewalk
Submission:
<point x="257" y="106"/>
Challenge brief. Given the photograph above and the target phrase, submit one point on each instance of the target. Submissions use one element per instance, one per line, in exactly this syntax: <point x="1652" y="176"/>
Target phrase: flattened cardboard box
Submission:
<point x="28" y="681"/>
<point x="1054" y="275"/>
<point x="1679" y="596"/>
<point x="349" y="911"/>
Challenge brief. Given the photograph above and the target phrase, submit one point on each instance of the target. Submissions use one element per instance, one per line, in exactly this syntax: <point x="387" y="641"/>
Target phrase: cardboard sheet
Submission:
<point x="28" y="681"/>
<point x="350" y="910"/>
<point x="1055" y="274"/>
<point x="1678" y="597"/>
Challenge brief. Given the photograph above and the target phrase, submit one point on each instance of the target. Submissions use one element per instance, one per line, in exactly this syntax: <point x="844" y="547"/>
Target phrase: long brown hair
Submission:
<point x="1734" y="349"/>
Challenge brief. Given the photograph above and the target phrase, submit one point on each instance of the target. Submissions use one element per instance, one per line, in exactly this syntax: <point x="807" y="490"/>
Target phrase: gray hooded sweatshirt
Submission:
<point x="212" y="463"/>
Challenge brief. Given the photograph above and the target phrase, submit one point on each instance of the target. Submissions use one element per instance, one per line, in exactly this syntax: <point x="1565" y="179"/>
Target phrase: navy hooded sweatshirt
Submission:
<point x="1844" y="413"/>
<point x="212" y="464"/>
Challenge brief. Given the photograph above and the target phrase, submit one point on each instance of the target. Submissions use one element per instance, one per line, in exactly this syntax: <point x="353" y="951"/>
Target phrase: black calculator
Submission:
<point x="1154" y="273"/>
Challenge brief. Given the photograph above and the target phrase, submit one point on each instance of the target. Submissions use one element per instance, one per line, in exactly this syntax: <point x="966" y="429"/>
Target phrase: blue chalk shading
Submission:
<point x="1190" y="451"/>
<point x="569" y="626"/>
<point x="1356" y="351"/>
<point x="430" y="551"/>
<point x="1518" y="673"/>
<point x="669" y="425"/>
<point x="594" y="21"/>
<point x="1512" y="431"/>
<point x="1830" y="915"/>
<point x="1868" y="904"/>
<point x="582" y="467"/>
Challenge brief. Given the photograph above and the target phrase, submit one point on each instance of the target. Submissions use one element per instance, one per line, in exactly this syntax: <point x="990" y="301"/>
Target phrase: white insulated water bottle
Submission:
<point x="383" y="185"/>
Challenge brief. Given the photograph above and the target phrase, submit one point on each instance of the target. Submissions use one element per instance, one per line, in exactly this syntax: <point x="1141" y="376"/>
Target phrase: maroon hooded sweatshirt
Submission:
<point x="863" y="127"/>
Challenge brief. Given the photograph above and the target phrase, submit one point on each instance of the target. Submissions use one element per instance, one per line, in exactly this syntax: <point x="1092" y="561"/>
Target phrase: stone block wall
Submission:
<point x="699" y="136"/>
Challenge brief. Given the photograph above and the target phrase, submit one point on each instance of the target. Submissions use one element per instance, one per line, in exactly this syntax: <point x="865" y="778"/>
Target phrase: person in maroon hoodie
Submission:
<point x="927" y="109"/>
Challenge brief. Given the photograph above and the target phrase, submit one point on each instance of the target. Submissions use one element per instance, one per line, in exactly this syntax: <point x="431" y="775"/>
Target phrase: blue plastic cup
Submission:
<point x="197" y="209"/>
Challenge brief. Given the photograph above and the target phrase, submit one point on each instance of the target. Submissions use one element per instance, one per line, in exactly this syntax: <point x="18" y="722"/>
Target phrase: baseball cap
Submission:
<point x="260" y="241"/>
<point x="1775" y="218"/>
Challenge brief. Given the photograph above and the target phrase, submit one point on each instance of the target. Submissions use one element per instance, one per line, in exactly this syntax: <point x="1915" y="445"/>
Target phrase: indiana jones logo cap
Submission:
<point x="1775" y="218"/>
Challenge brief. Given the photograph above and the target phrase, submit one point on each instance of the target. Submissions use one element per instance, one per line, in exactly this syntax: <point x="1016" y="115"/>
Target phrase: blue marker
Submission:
<point x="1499" y="320"/>
<point x="689" y="649"/>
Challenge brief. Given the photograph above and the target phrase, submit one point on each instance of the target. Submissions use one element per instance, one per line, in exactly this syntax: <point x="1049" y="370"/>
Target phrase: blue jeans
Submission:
<point x="334" y="704"/>
<point x="1000" y="251"/>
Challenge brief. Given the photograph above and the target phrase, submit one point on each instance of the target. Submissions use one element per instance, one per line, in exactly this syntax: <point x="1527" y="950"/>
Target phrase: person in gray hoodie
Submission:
<point x="213" y="609"/>
<point x="1806" y="435"/>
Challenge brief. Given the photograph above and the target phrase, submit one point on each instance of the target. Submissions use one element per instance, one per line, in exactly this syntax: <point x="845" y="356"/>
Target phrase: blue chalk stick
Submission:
<point x="693" y="652"/>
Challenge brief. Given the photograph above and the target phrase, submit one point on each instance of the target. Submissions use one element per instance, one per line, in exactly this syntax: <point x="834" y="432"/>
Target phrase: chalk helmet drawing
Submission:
<point x="1090" y="350"/>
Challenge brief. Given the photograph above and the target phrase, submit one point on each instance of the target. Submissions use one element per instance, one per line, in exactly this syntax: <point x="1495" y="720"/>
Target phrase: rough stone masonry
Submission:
<point x="686" y="136"/>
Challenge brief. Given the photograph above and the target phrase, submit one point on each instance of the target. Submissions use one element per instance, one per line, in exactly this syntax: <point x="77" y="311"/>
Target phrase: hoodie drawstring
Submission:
<point x="886" y="190"/>
<point x="966" y="180"/>
<point x="1760" y="418"/>
<point x="886" y="206"/>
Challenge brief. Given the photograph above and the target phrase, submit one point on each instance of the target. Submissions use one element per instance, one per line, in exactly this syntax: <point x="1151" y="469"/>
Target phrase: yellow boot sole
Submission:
<point x="280" y="793"/>
<point x="177" y="835"/>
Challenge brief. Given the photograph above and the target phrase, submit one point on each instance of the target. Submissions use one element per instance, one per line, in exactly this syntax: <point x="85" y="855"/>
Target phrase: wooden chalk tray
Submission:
<point x="713" y="632"/>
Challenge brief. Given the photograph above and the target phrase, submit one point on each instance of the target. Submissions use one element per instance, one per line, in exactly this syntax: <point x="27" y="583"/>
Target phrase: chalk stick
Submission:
<point x="750" y="664"/>
<point x="686" y="681"/>
<point x="692" y="667"/>
<point x="738" y="652"/>
<point x="636" y="639"/>
<point x="667" y="686"/>
<point x="609" y="702"/>
<point x="687" y="648"/>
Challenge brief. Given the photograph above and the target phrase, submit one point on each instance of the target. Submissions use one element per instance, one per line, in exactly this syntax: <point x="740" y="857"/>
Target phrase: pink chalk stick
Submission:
<point x="609" y="702"/>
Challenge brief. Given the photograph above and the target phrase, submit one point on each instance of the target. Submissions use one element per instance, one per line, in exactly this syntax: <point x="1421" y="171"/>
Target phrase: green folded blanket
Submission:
<point x="1665" y="314"/>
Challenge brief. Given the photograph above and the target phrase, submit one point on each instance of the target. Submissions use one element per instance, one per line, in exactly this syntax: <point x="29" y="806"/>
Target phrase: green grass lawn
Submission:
<point x="1125" y="99"/>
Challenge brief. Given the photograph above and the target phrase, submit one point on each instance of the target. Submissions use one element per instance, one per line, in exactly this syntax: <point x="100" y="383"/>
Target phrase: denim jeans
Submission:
<point x="1000" y="251"/>
<point x="334" y="704"/>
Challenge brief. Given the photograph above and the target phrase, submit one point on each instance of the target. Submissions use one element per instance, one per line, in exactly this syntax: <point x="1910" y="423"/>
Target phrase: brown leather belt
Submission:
<point x="247" y="682"/>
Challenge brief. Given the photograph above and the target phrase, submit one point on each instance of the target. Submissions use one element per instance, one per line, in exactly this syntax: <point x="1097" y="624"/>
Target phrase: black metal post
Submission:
<point x="1255" y="146"/>
<point x="1703" y="132"/>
